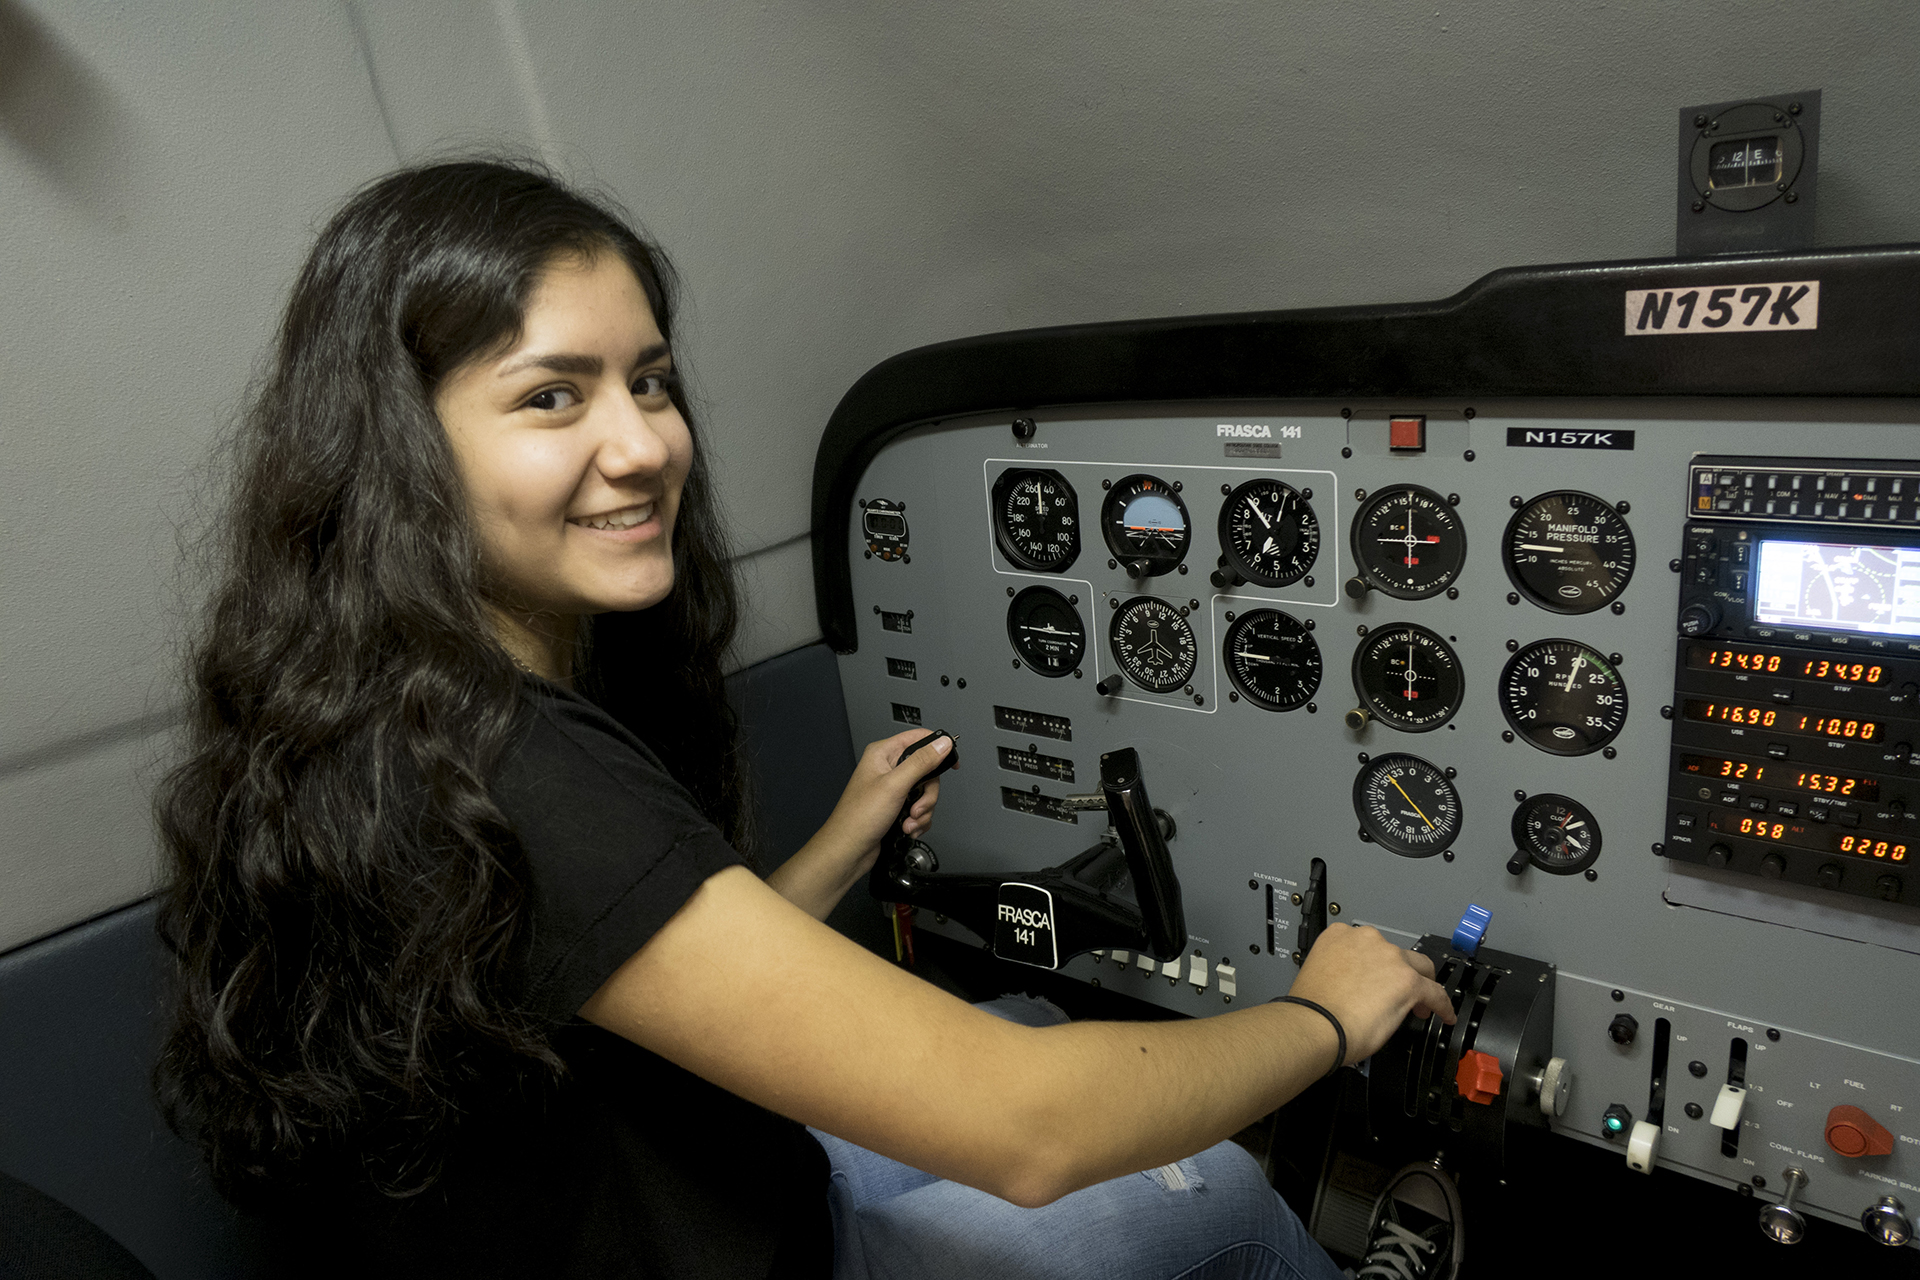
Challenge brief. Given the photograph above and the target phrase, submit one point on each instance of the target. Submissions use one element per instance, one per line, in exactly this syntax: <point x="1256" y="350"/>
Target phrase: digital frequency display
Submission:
<point x="1812" y="724"/>
<point x="1703" y="656"/>
<point x="1761" y="773"/>
<point x="1831" y="586"/>
<point x="1752" y="826"/>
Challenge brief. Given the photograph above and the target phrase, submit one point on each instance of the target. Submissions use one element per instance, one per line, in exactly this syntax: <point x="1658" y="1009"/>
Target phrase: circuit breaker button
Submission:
<point x="1479" y="1077"/>
<point x="1854" y="1133"/>
<point x="1407" y="435"/>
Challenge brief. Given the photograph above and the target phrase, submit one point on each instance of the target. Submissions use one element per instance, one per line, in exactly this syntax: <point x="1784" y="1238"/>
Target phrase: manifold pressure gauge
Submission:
<point x="1556" y="834"/>
<point x="1268" y="533"/>
<point x="1153" y="644"/>
<point x="1408" y="543"/>
<point x="1406" y="804"/>
<point x="1563" y="697"/>
<point x="1036" y="520"/>
<point x="1146" y="525"/>
<point x="1046" y="632"/>
<point x="1271" y="659"/>
<point x="1407" y="677"/>
<point x="1568" y="551"/>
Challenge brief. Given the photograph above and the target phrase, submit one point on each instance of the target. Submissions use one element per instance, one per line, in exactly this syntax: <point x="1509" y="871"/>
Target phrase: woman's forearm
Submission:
<point x="819" y="875"/>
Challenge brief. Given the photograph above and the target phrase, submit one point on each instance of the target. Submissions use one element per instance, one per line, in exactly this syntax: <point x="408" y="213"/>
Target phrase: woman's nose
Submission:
<point x="636" y="440"/>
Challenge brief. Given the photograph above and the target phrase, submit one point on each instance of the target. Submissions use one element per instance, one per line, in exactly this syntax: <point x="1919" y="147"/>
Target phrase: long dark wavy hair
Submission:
<point x="343" y="896"/>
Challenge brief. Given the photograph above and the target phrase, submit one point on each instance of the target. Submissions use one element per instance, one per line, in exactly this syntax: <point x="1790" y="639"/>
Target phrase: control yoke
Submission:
<point x="1120" y="894"/>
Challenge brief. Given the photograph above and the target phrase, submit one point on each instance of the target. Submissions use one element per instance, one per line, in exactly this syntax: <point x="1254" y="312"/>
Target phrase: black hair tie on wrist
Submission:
<point x="1339" y="1058"/>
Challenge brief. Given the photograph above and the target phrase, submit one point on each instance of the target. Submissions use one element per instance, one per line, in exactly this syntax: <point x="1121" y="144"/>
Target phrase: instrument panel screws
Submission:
<point x="1188" y="690"/>
<point x="1307" y="493"/>
<point x="866" y="555"/>
<point x="1113" y="564"/>
<point x="1309" y="624"/>
<point x="1760" y="1182"/>
<point x="1447" y="855"/>
<point x="1253" y="884"/>
<point x="1183" y="568"/>
<point x="1193" y="604"/>
<point x="1347" y="414"/>
<point x="1253" y="948"/>
<point x="1516" y="502"/>
<point x="1615" y="659"/>
<point x="1618" y="608"/>
<point x="1296" y="957"/>
<point x="1452" y="772"/>
<point x="1609" y="753"/>
<point x="1468" y="455"/>
<point x="1513" y="597"/>
<point x="1113" y="602"/>
<point x="1229" y="615"/>
<point x="1346" y="451"/>
<point x="1695" y="1111"/>
<point x="1453" y="499"/>
<point x="1360" y="630"/>
<point x="1009" y="591"/>
<point x="1453" y="593"/>
<point x="1700" y="121"/>
<point x="1359" y="494"/>
<point x="1673" y="565"/>
<point x="1179" y="486"/>
<point x="1313" y="708"/>
<point x="1513" y="646"/>
<point x="1106" y="484"/>
<point x="962" y="682"/>
<point x="1666" y="713"/>
<point x="1073" y="599"/>
<point x="1699" y="206"/>
<point x="1078" y="674"/>
<point x="1226" y="488"/>
<point x="1592" y="875"/>
<point x="1016" y="664"/>
<point x="1618" y="995"/>
<point x="1469" y="413"/>
<point x="943" y="682"/>
<point x="1773" y="1033"/>
<point x="876" y="608"/>
<point x="1659" y="851"/>
<point x="1792" y="197"/>
<point x="1232" y="696"/>
<point x="1506" y="735"/>
<point x="1309" y="579"/>
<point x="1793" y="108"/>
<point x="1333" y="908"/>
<point x="1294" y="898"/>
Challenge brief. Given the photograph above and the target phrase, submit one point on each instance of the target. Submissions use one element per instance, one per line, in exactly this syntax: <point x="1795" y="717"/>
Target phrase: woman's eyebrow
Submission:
<point x="585" y="366"/>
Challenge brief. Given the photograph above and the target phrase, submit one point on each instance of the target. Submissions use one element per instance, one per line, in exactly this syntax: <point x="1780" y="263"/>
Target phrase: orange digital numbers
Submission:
<point x="1838" y="727"/>
<point x="1845" y="672"/>
<point x="1873" y="847"/>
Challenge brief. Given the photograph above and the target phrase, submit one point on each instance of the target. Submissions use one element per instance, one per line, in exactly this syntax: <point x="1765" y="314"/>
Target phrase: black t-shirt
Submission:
<point x="635" y="1168"/>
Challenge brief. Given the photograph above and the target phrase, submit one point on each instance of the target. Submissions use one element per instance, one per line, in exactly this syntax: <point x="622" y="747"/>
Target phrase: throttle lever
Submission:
<point x="895" y="843"/>
<point x="1313" y="909"/>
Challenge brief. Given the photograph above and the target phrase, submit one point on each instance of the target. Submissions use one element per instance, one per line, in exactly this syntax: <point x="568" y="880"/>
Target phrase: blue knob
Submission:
<point x="1472" y="928"/>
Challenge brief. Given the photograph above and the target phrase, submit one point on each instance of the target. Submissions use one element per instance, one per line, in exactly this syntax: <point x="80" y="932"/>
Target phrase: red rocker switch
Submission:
<point x="1479" y="1078"/>
<point x="1852" y="1132"/>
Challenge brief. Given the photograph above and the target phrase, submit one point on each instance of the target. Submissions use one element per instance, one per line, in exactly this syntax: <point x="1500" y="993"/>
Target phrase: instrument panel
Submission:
<point x="1633" y="677"/>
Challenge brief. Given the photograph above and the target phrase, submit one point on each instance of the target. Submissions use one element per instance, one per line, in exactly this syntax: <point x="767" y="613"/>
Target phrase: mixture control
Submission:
<point x="1782" y="1223"/>
<point x="1886" y="1220"/>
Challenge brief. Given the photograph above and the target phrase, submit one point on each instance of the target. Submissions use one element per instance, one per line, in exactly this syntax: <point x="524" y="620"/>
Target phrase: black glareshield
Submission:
<point x="1155" y="887"/>
<point x="1120" y="894"/>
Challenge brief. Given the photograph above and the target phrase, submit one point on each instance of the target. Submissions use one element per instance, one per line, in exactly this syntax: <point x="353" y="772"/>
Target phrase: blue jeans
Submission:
<point x="1211" y="1217"/>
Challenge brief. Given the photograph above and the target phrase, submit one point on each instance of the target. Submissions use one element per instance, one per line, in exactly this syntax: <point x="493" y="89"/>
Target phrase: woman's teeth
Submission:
<point x="620" y="519"/>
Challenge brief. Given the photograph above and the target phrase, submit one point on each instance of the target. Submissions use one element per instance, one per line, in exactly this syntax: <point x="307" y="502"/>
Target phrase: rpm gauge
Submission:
<point x="1046" y="632"/>
<point x="1153" y="644"/>
<point x="1272" y="659"/>
<point x="1146" y="525"/>
<point x="1568" y="551"/>
<point x="1036" y="520"/>
<point x="1407" y="805"/>
<point x="1269" y="533"/>
<point x="1563" y="697"/>
<point x="1408" y="542"/>
<point x="1558" y="834"/>
<point x="1407" y="677"/>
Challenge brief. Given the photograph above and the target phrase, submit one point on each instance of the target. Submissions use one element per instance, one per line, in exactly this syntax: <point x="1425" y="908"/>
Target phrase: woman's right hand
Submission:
<point x="1370" y="984"/>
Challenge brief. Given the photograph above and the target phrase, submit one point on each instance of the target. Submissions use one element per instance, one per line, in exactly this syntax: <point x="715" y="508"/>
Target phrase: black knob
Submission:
<point x="1615" y="1120"/>
<point x="1887" y="888"/>
<point x="1139" y="568"/>
<point x="1698" y="618"/>
<point x="1356" y="588"/>
<point x="1110" y="686"/>
<point x="1719" y="855"/>
<point x="1225" y="579"/>
<point x="1829" y="875"/>
<point x="1773" y="866"/>
<point x="1023" y="428"/>
<point x="1518" y="862"/>
<point x="1623" y="1028"/>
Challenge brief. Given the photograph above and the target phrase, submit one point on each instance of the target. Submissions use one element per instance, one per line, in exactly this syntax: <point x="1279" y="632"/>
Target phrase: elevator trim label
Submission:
<point x="1775" y="306"/>
<point x="1023" y="926"/>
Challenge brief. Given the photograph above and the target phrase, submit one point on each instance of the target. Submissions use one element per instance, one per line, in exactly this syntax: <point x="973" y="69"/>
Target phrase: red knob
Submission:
<point x="1479" y="1078"/>
<point x="1852" y="1132"/>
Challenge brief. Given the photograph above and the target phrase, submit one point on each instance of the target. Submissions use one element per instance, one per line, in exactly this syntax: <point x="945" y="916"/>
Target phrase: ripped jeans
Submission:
<point x="1211" y="1217"/>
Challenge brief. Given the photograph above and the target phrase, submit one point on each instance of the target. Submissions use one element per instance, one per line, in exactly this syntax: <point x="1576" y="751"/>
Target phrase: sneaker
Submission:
<point x="1417" y="1231"/>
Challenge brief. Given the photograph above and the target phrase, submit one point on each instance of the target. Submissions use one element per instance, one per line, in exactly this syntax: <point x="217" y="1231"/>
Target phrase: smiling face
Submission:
<point x="572" y="454"/>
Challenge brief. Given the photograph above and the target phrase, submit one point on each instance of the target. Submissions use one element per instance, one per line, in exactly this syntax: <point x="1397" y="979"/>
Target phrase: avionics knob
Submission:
<point x="1830" y="875"/>
<point x="1853" y="1133"/>
<point x="1773" y="866"/>
<point x="1719" y="855"/>
<point x="1781" y="1222"/>
<point x="1699" y="617"/>
<point x="1110" y="686"/>
<point x="1886" y="1220"/>
<point x="1139" y="568"/>
<point x="1623" y="1028"/>
<point x="1356" y="588"/>
<point x="1887" y="888"/>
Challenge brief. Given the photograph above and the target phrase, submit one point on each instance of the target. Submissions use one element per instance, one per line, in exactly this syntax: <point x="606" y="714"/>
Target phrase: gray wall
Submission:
<point x="837" y="181"/>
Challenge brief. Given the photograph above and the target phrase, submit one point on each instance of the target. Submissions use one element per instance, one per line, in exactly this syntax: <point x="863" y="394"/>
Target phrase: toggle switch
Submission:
<point x="1197" y="973"/>
<point x="1726" y="1107"/>
<point x="1479" y="1077"/>
<point x="1854" y="1133"/>
<point x="1229" y="980"/>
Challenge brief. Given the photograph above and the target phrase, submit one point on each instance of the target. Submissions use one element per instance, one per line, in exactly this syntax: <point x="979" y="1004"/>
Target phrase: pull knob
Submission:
<point x="1782" y="1223"/>
<point x="1356" y="588"/>
<point x="1623" y="1028"/>
<point x="1110" y="686"/>
<point x="1698" y="618"/>
<point x="1886" y="1220"/>
<point x="1139" y="568"/>
<point x="1358" y="717"/>
<point x="1479" y="1077"/>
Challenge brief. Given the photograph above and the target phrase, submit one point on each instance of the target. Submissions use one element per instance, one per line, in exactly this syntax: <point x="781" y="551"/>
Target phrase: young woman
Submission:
<point x="472" y="977"/>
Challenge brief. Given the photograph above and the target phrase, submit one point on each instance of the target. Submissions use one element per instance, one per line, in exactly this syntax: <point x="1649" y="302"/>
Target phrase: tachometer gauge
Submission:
<point x="1153" y="644"/>
<point x="1269" y="533"/>
<point x="1046" y="631"/>
<point x="1036" y="520"/>
<point x="1563" y="697"/>
<point x="1271" y="659"/>
<point x="1558" y="835"/>
<point x="1407" y="805"/>
<point x="1569" y="552"/>
<point x="1146" y="525"/>
<point x="1408" y="543"/>
<point x="1407" y="677"/>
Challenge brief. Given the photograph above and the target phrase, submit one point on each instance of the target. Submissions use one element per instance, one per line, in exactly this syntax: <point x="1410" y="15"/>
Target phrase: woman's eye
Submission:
<point x="550" y="398"/>
<point x="652" y="385"/>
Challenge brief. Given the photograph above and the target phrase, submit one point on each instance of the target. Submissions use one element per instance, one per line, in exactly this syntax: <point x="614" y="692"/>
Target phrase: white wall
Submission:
<point x="838" y="181"/>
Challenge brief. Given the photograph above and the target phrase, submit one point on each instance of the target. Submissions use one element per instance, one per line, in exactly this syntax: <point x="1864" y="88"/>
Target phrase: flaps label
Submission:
<point x="1023" y="926"/>
<point x="1774" y="307"/>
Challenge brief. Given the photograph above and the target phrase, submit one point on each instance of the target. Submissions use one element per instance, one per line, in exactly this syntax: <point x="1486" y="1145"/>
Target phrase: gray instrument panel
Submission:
<point x="1819" y="988"/>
